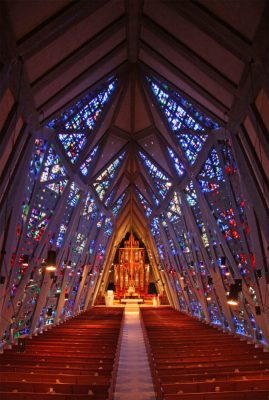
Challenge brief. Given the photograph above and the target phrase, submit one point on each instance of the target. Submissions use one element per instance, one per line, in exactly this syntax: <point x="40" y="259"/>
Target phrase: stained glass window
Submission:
<point x="161" y="181"/>
<point x="183" y="118"/>
<point x="73" y="143"/>
<point x="110" y="197"/>
<point x="173" y="210"/>
<point x="89" y="206"/>
<point x="177" y="163"/>
<point x="53" y="168"/>
<point x="118" y="204"/>
<point x="85" y="112"/>
<point x="104" y="180"/>
<point x="211" y="174"/>
<point x="108" y="227"/>
<point x="145" y="204"/>
<point x="72" y="200"/>
<point x="86" y="166"/>
<point x="75" y="124"/>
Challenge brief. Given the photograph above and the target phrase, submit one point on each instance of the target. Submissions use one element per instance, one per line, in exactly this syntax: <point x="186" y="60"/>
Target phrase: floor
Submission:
<point x="134" y="381"/>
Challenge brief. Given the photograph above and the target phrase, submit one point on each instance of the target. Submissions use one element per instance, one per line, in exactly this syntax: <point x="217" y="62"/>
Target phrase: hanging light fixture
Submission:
<point x="223" y="262"/>
<point x="25" y="260"/>
<point x="235" y="289"/>
<point x="51" y="260"/>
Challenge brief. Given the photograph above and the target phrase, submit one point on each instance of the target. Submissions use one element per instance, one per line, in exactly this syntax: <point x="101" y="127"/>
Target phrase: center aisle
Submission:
<point x="134" y="381"/>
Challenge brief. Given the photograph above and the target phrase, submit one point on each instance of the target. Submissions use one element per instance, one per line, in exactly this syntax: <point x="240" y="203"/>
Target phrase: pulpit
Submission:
<point x="131" y="273"/>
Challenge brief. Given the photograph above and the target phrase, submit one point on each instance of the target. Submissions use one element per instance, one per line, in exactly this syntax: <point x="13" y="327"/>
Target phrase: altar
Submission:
<point x="131" y="271"/>
<point x="125" y="300"/>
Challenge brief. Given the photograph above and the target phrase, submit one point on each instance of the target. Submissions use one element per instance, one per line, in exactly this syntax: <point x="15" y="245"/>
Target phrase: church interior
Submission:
<point x="134" y="164"/>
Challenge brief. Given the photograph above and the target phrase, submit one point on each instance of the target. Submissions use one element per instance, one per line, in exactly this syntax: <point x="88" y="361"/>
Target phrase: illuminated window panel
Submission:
<point x="183" y="106"/>
<point x="177" y="163"/>
<point x="73" y="143"/>
<point x="145" y="204"/>
<point x="88" y="163"/>
<point x="38" y="157"/>
<point x="211" y="174"/>
<point x="104" y="180"/>
<point x="72" y="200"/>
<point x="110" y="197"/>
<point x="80" y="242"/>
<point x="90" y="208"/>
<point x="75" y="125"/>
<point x="191" y="145"/>
<point x="160" y="180"/>
<point x="57" y="187"/>
<point x="191" y="197"/>
<point x="118" y="204"/>
<point x="173" y="209"/>
<point x="167" y="233"/>
<point x="73" y="196"/>
<point x="38" y="222"/>
<point x="155" y="230"/>
<point x="187" y="123"/>
<point x="53" y="168"/>
<point x="84" y="113"/>
<point x="108" y="227"/>
<point x="191" y="194"/>
<point x="36" y="162"/>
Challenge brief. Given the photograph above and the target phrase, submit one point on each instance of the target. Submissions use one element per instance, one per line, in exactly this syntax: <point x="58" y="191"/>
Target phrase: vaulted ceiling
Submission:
<point x="203" y="49"/>
<point x="147" y="115"/>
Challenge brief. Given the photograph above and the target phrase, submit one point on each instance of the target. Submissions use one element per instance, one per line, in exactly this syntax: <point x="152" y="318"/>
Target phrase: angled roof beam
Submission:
<point x="78" y="54"/>
<point x="96" y="68"/>
<point x="59" y="23"/>
<point x="214" y="27"/>
<point x="182" y="75"/>
<point x="189" y="54"/>
<point x="134" y="10"/>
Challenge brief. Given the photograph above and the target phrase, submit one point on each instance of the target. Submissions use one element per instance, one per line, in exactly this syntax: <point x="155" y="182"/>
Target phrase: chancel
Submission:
<point x="134" y="165"/>
<point x="131" y="273"/>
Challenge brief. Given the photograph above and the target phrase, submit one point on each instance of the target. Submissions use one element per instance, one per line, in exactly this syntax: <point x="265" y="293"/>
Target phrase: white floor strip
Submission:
<point x="134" y="381"/>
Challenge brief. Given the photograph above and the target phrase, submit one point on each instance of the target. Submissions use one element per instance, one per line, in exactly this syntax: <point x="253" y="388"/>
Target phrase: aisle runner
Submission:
<point x="134" y="381"/>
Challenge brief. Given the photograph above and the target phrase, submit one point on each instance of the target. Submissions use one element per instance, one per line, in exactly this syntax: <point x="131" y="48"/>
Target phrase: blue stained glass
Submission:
<point x="184" y="119"/>
<point x="75" y="124"/>
<point x="85" y="167"/>
<point x="61" y="234"/>
<point x="118" y="204"/>
<point x="73" y="195"/>
<point x="211" y="174"/>
<point x="160" y="180"/>
<point x="84" y="113"/>
<point x="53" y="168"/>
<point x="110" y="197"/>
<point x="73" y="143"/>
<point x="177" y="163"/>
<point x="191" y="194"/>
<point x="191" y="145"/>
<point x="145" y="204"/>
<point x="90" y="209"/>
<point x="38" y="157"/>
<point x="173" y="209"/>
<point x="164" y="93"/>
<point x="104" y="180"/>
<point x="108" y="227"/>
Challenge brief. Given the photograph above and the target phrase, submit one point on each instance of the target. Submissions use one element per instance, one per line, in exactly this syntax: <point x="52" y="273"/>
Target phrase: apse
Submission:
<point x="144" y="131"/>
